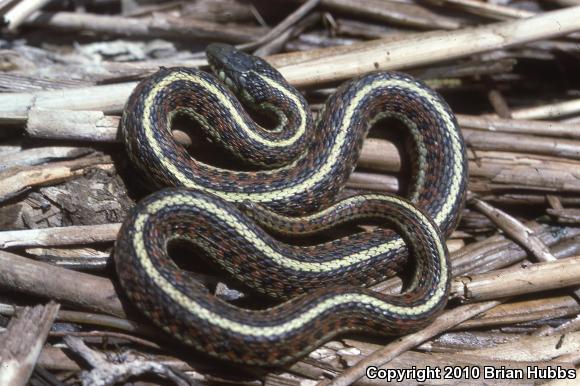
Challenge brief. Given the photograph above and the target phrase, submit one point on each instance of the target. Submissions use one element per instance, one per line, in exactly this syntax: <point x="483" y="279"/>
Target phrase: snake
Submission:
<point x="243" y="220"/>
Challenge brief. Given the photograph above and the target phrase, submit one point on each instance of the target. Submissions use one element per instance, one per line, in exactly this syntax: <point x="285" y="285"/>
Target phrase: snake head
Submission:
<point x="241" y="72"/>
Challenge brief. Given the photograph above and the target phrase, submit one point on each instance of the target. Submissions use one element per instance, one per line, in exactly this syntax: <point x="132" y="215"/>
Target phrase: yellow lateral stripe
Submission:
<point x="209" y="316"/>
<point x="222" y="215"/>
<point x="165" y="82"/>
<point x="323" y="171"/>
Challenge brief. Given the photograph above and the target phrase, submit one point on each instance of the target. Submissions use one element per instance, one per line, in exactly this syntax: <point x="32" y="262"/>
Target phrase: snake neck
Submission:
<point x="280" y="100"/>
<point x="220" y="115"/>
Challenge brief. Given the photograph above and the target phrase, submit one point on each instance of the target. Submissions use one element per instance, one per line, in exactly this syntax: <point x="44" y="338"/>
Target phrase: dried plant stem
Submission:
<point x="337" y="63"/>
<point x="334" y="64"/>
<point x="494" y="11"/>
<point x="486" y="140"/>
<point x="519" y="126"/>
<point x="106" y="372"/>
<point x="41" y="155"/>
<point x="392" y="13"/>
<point x="21" y="11"/>
<point x="526" y="279"/>
<point x="21" y="343"/>
<point x="488" y="170"/>
<point x="71" y="235"/>
<point x="550" y="111"/>
<point x="515" y="229"/>
<point x="532" y="348"/>
<point x="387" y="353"/>
<point x="93" y="319"/>
<point x="20" y="274"/>
<point x="18" y="179"/>
<point x="541" y="309"/>
<point x="107" y="98"/>
<point x="93" y="126"/>
<point x="496" y="252"/>
<point x="288" y="22"/>
<point x="160" y="27"/>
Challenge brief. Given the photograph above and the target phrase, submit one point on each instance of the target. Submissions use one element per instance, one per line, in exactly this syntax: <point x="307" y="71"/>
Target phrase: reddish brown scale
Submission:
<point x="170" y="221"/>
<point x="439" y="169"/>
<point x="245" y="262"/>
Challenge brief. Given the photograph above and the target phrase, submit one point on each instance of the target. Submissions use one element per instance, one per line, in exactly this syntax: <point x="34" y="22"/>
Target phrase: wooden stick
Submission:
<point x="515" y="351"/>
<point x="390" y="12"/>
<point x="91" y="126"/>
<point x="96" y="127"/>
<point x="495" y="252"/>
<point x="288" y="22"/>
<point x="108" y="98"/>
<point x="41" y="155"/>
<point x="6" y="3"/>
<point x="530" y="348"/>
<point x="515" y="229"/>
<point x="495" y="11"/>
<point x="71" y="235"/>
<point x="335" y="64"/>
<point x="92" y="319"/>
<point x="21" y="343"/>
<point x="499" y="103"/>
<point x="82" y="259"/>
<point x="90" y="292"/>
<point x="567" y="216"/>
<point x="488" y="170"/>
<point x="390" y="351"/>
<point x="159" y="27"/>
<point x="371" y="181"/>
<point x="21" y="11"/>
<point x="338" y="63"/>
<point x="279" y="42"/>
<point x="553" y="110"/>
<point x="519" y="126"/>
<point x="519" y="143"/>
<point x="107" y="372"/>
<point x="527" y="279"/>
<point x="16" y="180"/>
<point x="497" y="168"/>
<point x="542" y="308"/>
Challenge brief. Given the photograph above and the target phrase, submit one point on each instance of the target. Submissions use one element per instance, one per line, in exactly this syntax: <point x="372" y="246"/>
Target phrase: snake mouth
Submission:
<point x="223" y="76"/>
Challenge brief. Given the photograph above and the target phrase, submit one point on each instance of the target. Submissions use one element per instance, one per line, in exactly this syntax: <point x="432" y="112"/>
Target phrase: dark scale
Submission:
<point x="235" y="241"/>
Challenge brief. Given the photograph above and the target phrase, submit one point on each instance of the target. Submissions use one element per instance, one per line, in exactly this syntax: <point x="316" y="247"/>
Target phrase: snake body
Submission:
<point x="303" y="166"/>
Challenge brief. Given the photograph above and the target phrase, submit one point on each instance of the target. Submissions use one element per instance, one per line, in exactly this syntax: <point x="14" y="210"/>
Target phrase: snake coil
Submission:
<point x="303" y="165"/>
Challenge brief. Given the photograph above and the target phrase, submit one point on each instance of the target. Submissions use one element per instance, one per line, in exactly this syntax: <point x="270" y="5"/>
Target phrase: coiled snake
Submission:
<point x="302" y="166"/>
